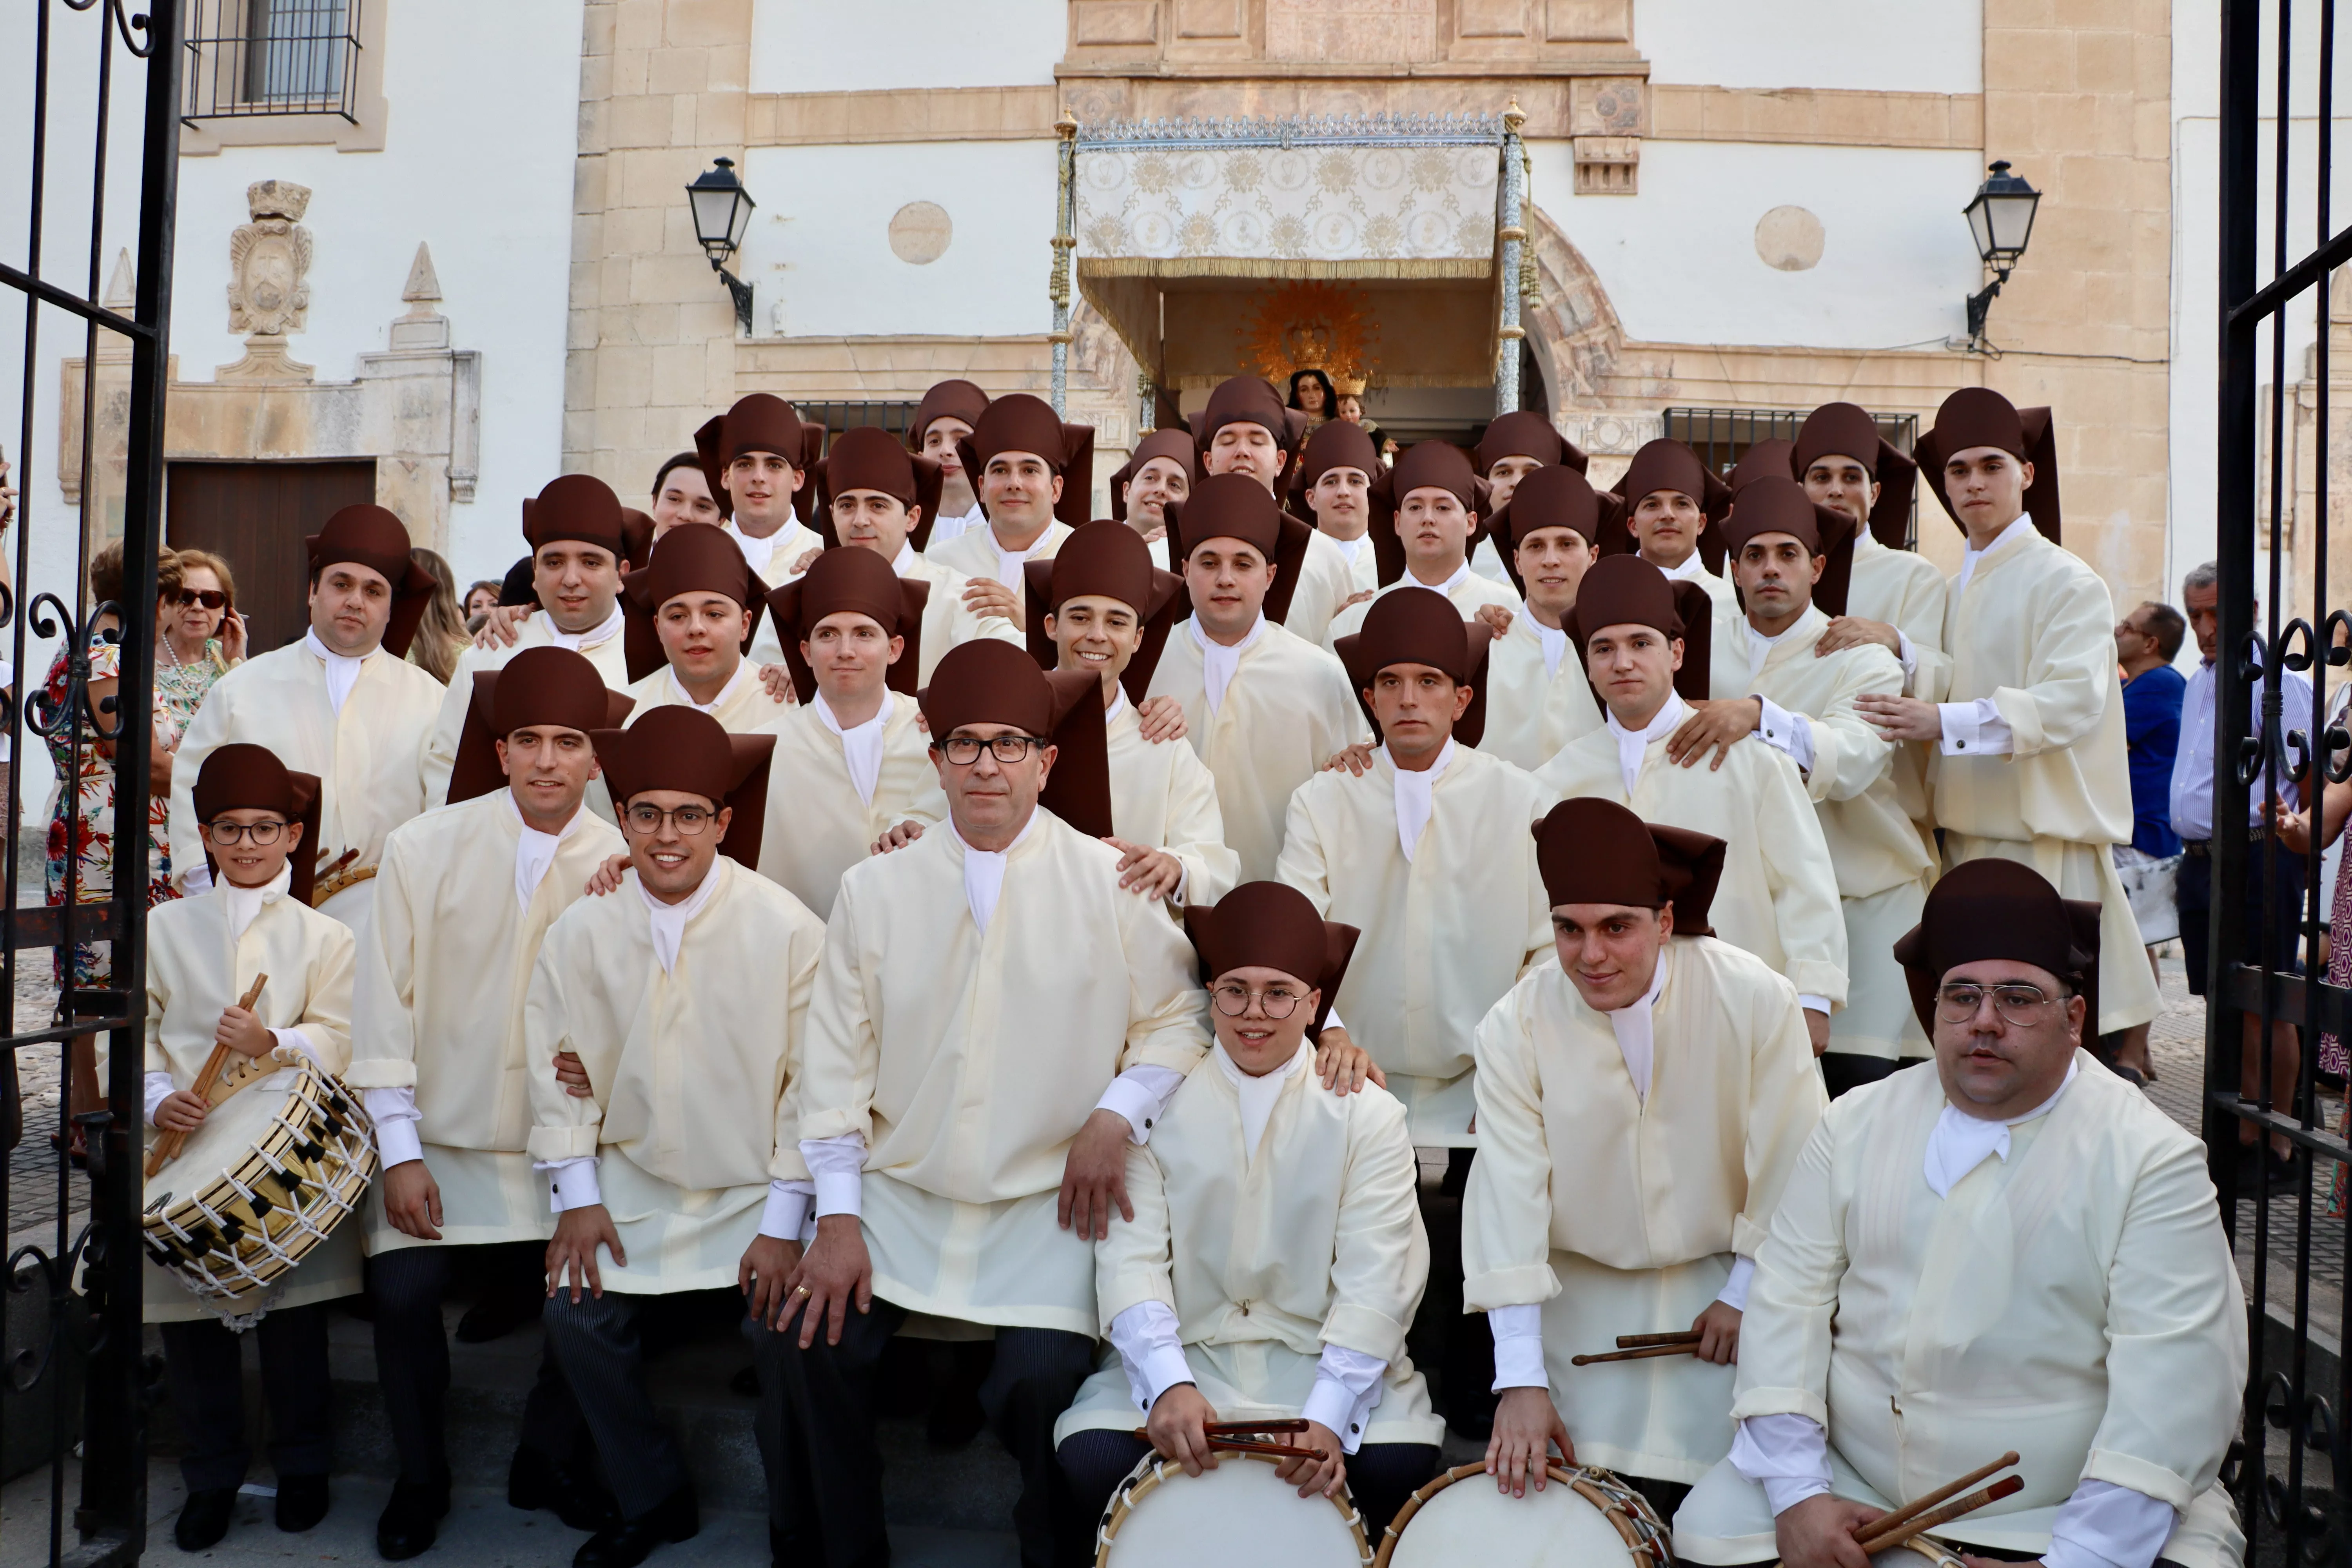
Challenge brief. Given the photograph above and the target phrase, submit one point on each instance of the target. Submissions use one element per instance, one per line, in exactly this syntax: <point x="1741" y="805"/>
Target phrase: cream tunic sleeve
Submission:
<point x="1135" y="1263"/>
<point x="1801" y="880"/>
<point x="1379" y="1262"/>
<point x="1506" y="1242"/>
<point x="563" y="1126"/>
<point x="1784" y="1335"/>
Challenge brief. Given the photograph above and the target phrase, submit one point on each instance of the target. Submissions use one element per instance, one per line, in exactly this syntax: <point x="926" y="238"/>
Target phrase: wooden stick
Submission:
<point x="1912" y="1510"/>
<point x="168" y="1146"/>
<point x="1635" y="1341"/>
<point x="2007" y="1485"/>
<point x="1230" y="1443"/>
<point x="1645" y="1352"/>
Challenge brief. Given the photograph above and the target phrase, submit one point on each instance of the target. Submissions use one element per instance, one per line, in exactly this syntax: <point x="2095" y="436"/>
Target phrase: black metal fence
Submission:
<point x="73" y="1396"/>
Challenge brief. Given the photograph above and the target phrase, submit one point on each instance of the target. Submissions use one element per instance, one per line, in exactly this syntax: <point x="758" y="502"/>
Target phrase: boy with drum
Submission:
<point x="1276" y="1252"/>
<point x="206" y="956"/>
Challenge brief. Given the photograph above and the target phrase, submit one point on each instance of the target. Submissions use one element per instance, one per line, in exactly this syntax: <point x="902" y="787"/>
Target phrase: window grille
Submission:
<point x="1721" y="436"/>
<point x="271" y="56"/>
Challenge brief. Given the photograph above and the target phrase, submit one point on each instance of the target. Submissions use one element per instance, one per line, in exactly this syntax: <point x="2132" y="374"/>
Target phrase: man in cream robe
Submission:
<point x="2029" y="759"/>
<point x="1245" y="429"/>
<point x="1264" y="708"/>
<point x="464" y="900"/>
<point x="2006" y="1249"/>
<point x="1771" y="681"/>
<point x="1672" y="500"/>
<point x="945" y="417"/>
<point x="683" y="996"/>
<point x="1035" y="475"/>
<point x="757" y="458"/>
<point x="1538" y="697"/>
<point x="1779" y="896"/>
<point x="995" y="961"/>
<point x="1511" y="448"/>
<point x="693" y="605"/>
<point x="577" y="540"/>
<point x="1339" y="485"/>
<point x="1641" y="1102"/>
<point x="1436" y="518"/>
<point x="341" y="703"/>
<point x="1276" y="1253"/>
<point x="1160" y="470"/>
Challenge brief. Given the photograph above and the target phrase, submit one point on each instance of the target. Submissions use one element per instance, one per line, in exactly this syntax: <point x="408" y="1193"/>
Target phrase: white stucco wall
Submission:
<point x="1879" y="46"/>
<point x="823" y="46"/>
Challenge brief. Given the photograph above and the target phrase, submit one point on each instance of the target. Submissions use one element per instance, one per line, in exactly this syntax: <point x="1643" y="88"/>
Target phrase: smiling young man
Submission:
<point x="944" y="417"/>
<point x="2009" y="1248"/>
<point x="699" y="599"/>
<point x="1644" y="640"/>
<point x="437" y="1057"/>
<point x="1246" y="429"/>
<point x="1771" y="681"/>
<point x="1036" y="477"/>
<point x="1898" y="596"/>
<point x="1509" y="449"/>
<point x="682" y="494"/>
<point x="1264" y="708"/>
<point x="1671" y="500"/>
<point x="1161" y="470"/>
<point x="1275" y="1254"/>
<point x="1427" y="545"/>
<point x="1343" y="486"/>
<point x="2030" y="760"/>
<point x="756" y="456"/>
<point x="1537" y="695"/>
<point x="576" y="529"/>
<point x="1641" y="1102"/>
<point x="684" y="998"/>
<point x="340" y="704"/>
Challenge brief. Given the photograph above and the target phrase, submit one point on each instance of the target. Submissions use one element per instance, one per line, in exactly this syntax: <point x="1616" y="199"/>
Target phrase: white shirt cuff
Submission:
<point x="1519" y="1347"/>
<point x="571" y="1183"/>
<point x="1145" y="1335"/>
<point x="157" y="1088"/>
<point x="2106" y="1526"/>
<point x="395" y="1113"/>
<point x="1910" y="657"/>
<point x="1140" y="1095"/>
<point x="1788" y="1456"/>
<point x="1734" y="1293"/>
<point x="836" y="1166"/>
<point x="1811" y="1004"/>
<point x="1791" y="735"/>
<point x="1348" y="1388"/>
<point x="196" y="878"/>
<point x="1975" y="730"/>
<point x="786" y="1216"/>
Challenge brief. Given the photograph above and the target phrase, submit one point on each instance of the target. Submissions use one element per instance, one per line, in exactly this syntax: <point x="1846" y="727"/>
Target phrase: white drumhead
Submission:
<point x="1239" y="1513"/>
<point x="1916" y="1552"/>
<point x="229" y="1133"/>
<point x="1471" y="1525"/>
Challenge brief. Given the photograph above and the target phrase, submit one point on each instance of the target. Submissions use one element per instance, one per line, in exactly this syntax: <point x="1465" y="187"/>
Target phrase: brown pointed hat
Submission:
<point x="1847" y="430"/>
<point x="1249" y="400"/>
<point x="692" y="558"/>
<point x="1999" y="909"/>
<point x="539" y="685"/>
<point x="580" y="507"/>
<point x="1554" y="496"/>
<point x="1271" y="925"/>
<point x="1980" y="417"/>
<point x="372" y="537"/>
<point x="1236" y="506"/>
<point x="855" y="579"/>
<point x="762" y="421"/>
<point x="1420" y="625"/>
<point x="675" y="747"/>
<point x="1021" y="423"/>
<point x="1595" y="851"/>
<point x="1106" y="560"/>
<point x="1427" y="465"/>
<point x="867" y="457"/>
<point x="1336" y="444"/>
<point x="986" y="682"/>
<point x="946" y="400"/>
<point x="1667" y="464"/>
<point x="1172" y="442"/>
<point x="1776" y="505"/>
<point x="243" y="776"/>
<point x="1625" y="590"/>
<point x="1527" y="433"/>
<point x="1773" y="460"/>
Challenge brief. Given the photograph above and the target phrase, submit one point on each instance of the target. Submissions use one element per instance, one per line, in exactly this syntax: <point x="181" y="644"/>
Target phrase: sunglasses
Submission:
<point x="210" y="598"/>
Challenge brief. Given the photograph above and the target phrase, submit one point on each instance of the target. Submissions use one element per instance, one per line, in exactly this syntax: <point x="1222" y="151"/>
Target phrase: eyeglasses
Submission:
<point x="1233" y="1001"/>
<point x="964" y="750"/>
<point x="210" y="598"/>
<point x="690" y="820"/>
<point x="227" y="834"/>
<point x="2021" y="1004"/>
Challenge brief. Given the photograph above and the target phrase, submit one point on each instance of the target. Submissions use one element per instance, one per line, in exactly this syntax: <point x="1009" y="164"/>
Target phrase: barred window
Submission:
<point x="271" y="56"/>
<point x="1721" y="436"/>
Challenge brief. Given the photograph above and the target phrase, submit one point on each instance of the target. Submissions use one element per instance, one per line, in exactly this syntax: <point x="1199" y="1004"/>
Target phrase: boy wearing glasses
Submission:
<point x="203" y="955"/>
<point x="439" y="1060"/>
<point x="1276" y="1253"/>
<point x="683" y="997"/>
<point x="2007" y="1249"/>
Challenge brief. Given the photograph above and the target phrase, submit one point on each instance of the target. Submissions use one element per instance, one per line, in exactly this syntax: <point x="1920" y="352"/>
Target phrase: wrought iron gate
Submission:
<point x="73" y="1396"/>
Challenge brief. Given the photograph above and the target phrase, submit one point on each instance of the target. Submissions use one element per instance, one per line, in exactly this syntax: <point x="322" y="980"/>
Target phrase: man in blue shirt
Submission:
<point x="2146" y="642"/>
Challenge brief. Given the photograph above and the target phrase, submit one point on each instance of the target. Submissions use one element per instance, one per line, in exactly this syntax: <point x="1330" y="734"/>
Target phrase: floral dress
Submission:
<point x="179" y="690"/>
<point x="81" y="834"/>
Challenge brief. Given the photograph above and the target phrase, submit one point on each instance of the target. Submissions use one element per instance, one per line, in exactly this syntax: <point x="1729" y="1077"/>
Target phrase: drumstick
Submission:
<point x="2007" y="1485"/>
<point x="1230" y="1443"/>
<point x="1635" y="1341"/>
<point x="1249" y="1428"/>
<point x="1688" y="1347"/>
<point x="167" y="1147"/>
<point x="1912" y="1510"/>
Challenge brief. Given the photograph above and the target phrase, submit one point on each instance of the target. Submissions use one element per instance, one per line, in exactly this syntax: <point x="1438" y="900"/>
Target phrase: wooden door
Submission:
<point x="255" y="516"/>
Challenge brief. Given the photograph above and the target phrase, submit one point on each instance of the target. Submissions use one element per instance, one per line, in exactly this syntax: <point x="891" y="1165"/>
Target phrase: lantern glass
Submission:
<point x="722" y="210"/>
<point x="2001" y="216"/>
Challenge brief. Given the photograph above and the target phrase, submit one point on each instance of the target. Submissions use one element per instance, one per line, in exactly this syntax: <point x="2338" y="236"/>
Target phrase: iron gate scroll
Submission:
<point x="70" y="1304"/>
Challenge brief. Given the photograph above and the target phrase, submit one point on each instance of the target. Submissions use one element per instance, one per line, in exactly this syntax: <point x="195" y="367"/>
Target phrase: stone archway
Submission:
<point x="1572" y="324"/>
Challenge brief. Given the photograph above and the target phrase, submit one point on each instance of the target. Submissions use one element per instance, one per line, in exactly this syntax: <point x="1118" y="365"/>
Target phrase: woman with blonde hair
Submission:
<point x="441" y="637"/>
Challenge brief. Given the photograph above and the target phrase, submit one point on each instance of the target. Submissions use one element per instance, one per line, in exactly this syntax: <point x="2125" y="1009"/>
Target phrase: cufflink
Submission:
<point x="1147" y="1124"/>
<point x="1959" y="745"/>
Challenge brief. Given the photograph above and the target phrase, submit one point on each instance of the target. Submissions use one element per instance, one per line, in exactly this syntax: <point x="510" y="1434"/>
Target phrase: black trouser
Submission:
<point x="412" y="1357"/>
<point x="599" y="1344"/>
<point x="1844" y="1070"/>
<point x="2273" y="877"/>
<point x="824" y="1471"/>
<point x="1458" y="1345"/>
<point x="1381" y="1476"/>
<point x="203" y="1363"/>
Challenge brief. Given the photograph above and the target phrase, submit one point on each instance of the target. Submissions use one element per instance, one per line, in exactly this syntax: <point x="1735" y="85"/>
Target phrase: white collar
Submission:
<point x="742" y="673"/>
<point x="342" y="670"/>
<point x="1960" y="1142"/>
<point x="1008" y="562"/>
<point x="1258" y="1094"/>
<point x="1694" y="567"/>
<point x="861" y="744"/>
<point x="906" y="561"/>
<point x="1412" y="795"/>
<point x="983" y="872"/>
<point x="2008" y="535"/>
<point x="534" y="851"/>
<point x="759" y="551"/>
<point x="1351" y="548"/>
<point x="1636" y="1029"/>
<point x="1759" y="647"/>
<point x="1554" y="641"/>
<point x="669" y="921"/>
<point x="1461" y="575"/>
<point x="597" y="635"/>
<point x="1118" y="704"/>
<point x="1633" y="743"/>
<point x="242" y="904"/>
<point x="1218" y="662"/>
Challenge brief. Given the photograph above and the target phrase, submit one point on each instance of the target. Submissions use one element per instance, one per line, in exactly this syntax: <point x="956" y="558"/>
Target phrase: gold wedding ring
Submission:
<point x="800" y="1290"/>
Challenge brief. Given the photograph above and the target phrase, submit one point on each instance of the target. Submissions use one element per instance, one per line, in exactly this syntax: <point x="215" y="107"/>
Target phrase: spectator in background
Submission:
<point x="199" y="638"/>
<point x="481" y="598"/>
<point x="2146" y="642"/>
<point x="2274" y="874"/>
<point x="441" y="637"/>
<point x="682" y="494"/>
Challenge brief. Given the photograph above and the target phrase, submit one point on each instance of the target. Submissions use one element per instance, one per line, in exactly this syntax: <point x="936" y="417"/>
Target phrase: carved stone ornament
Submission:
<point x="268" y="291"/>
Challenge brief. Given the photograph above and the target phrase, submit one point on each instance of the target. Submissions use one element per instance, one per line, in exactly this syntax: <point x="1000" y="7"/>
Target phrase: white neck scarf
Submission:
<point x="983" y="873"/>
<point x="1693" y="568"/>
<point x="905" y="560"/>
<point x="243" y="904"/>
<point x="1760" y="648"/>
<point x="1961" y="1143"/>
<point x="534" y="851"/>
<point x="1218" y="662"/>
<point x="1969" y="557"/>
<point x="1351" y="548"/>
<point x="1257" y="1095"/>
<point x="668" y="921"/>
<point x="861" y="744"/>
<point x="1634" y="1027"/>
<point x="758" y="552"/>
<point x="1413" y="793"/>
<point x="1461" y="575"/>
<point x="1117" y="705"/>
<point x="1555" y="644"/>
<point x="1633" y="743"/>
<point x="597" y="635"/>
<point x="742" y="673"/>
<point x="1008" y="562"/>
<point x="342" y="672"/>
